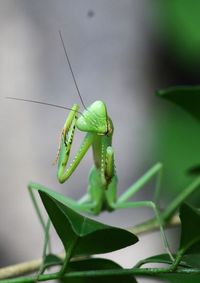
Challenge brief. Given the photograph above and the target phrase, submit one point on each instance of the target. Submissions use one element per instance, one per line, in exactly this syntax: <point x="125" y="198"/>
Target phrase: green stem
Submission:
<point x="182" y="251"/>
<point x="68" y="256"/>
<point x="177" y="260"/>
<point x="102" y="273"/>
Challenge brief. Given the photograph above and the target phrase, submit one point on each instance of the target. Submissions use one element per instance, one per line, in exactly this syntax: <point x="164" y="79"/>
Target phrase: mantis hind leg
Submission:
<point x="152" y="205"/>
<point x="122" y="202"/>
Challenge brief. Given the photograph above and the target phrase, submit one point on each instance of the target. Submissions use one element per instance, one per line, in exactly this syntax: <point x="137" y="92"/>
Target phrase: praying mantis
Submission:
<point x="102" y="188"/>
<point x="101" y="195"/>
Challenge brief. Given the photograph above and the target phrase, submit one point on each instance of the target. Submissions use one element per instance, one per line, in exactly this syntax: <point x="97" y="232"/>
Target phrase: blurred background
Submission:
<point x="121" y="52"/>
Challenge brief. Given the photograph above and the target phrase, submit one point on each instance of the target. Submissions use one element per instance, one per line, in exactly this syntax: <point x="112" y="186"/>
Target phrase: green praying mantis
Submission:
<point x="102" y="188"/>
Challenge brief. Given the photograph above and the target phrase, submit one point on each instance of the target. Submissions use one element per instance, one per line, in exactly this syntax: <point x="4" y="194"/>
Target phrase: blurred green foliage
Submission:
<point x="179" y="138"/>
<point x="179" y="23"/>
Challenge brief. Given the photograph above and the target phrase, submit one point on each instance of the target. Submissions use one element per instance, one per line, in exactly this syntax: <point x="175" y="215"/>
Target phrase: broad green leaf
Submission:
<point x="88" y="236"/>
<point x="188" y="97"/>
<point x="97" y="264"/>
<point x="190" y="229"/>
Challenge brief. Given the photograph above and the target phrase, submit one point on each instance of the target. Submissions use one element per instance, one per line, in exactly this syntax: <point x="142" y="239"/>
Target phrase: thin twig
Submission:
<point x="23" y="268"/>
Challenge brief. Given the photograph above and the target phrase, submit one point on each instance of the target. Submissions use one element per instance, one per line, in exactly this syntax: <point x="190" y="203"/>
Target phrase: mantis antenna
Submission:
<point x="70" y="67"/>
<point x="40" y="102"/>
<point x="74" y="79"/>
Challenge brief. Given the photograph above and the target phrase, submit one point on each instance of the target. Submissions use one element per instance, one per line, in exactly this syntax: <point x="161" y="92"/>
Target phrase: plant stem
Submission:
<point x="102" y="273"/>
<point x="23" y="268"/>
<point x="68" y="256"/>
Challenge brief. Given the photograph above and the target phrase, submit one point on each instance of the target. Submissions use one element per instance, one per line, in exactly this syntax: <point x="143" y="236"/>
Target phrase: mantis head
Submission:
<point x="94" y="119"/>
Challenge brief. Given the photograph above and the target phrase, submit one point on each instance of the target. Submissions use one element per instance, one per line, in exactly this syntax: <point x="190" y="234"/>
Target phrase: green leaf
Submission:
<point x="97" y="264"/>
<point x="93" y="264"/>
<point x="188" y="97"/>
<point x="88" y="236"/>
<point x="190" y="229"/>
